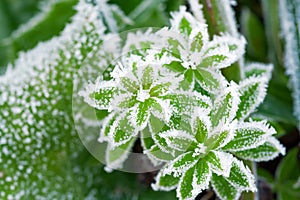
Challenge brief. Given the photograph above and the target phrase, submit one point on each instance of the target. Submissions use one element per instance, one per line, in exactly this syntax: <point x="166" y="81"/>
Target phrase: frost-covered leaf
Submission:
<point x="121" y="131"/>
<point x="185" y="102"/>
<point x="115" y="156"/>
<point x="241" y="177"/>
<point x="202" y="176"/>
<point x="179" y="140"/>
<point x="165" y="182"/>
<point x="201" y="125"/>
<point x="222" y="51"/>
<point x="258" y="69"/>
<point x="265" y="152"/>
<point x="182" y="163"/>
<point x="224" y="189"/>
<point x="252" y="92"/>
<point x="219" y="162"/>
<point x="212" y="81"/>
<point x="225" y="106"/>
<point x="249" y="135"/>
<point x="129" y="84"/>
<point x="185" y="188"/>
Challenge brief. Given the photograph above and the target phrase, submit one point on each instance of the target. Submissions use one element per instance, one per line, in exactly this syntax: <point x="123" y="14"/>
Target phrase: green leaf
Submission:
<point x="265" y="152"/>
<point x="156" y="154"/>
<point x="208" y="79"/>
<point x="225" y="106"/>
<point x="127" y="102"/>
<point x="121" y="131"/>
<point x="147" y="77"/>
<point x="201" y="128"/>
<point x="198" y="42"/>
<point x="185" y="27"/>
<point x="102" y="98"/>
<point x="218" y="140"/>
<point x="165" y="182"/>
<point x="185" y="102"/>
<point x="224" y="189"/>
<point x="252" y="92"/>
<point x="210" y="61"/>
<point x="130" y="85"/>
<point x="181" y="164"/>
<point x="249" y="135"/>
<point x="202" y="176"/>
<point x="159" y="89"/>
<point x="179" y="140"/>
<point x="240" y="176"/>
<point x="289" y="167"/>
<point x="219" y="162"/>
<point x="115" y="156"/>
<point x="185" y="189"/>
<point x="142" y="114"/>
<point x="175" y="66"/>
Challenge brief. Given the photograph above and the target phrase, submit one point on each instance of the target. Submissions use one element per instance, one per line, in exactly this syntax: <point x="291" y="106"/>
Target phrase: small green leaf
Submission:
<point x="187" y="82"/>
<point x="115" y="156"/>
<point x="202" y="176"/>
<point x="175" y="66"/>
<point x="147" y="77"/>
<point x="130" y="85"/>
<point x="156" y="154"/>
<point x="142" y="114"/>
<point x="121" y="131"/>
<point x="165" y="182"/>
<point x="185" y="26"/>
<point x="185" y="188"/>
<point x="201" y="129"/>
<point x="208" y="79"/>
<point x="102" y="98"/>
<point x="211" y="61"/>
<point x="197" y="42"/>
<point x="128" y="102"/>
<point x="159" y="89"/>
<point x="219" y="162"/>
<point x="240" y="176"/>
<point x="224" y="189"/>
<point x="218" y="140"/>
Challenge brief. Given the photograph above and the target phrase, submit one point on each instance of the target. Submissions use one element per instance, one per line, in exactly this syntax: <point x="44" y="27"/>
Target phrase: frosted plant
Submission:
<point x="139" y="88"/>
<point x="217" y="139"/>
<point x="198" y="58"/>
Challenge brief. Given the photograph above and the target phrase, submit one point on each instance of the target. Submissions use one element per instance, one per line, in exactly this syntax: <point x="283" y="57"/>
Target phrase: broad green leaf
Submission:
<point x="115" y="156"/>
<point x="165" y="182"/>
<point x="219" y="162"/>
<point x="130" y="85"/>
<point x="147" y="77"/>
<point x="121" y="131"/>
<point x="106" y="126"/>
<point x="249" y="135"/>
<point x="258" y="69"/>
<point x="241" y="177"/>
<point x="224" y="189"/>
<point x="225" y="106"/>
<point x="127" y="102"/>
<point x="252" y="93"/>
<point x="265" y="152"/>
<point x="185" y="189"/>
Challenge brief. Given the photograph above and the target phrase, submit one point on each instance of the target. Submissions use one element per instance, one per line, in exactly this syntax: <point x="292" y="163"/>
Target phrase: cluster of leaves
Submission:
<point x="168" y="90"/>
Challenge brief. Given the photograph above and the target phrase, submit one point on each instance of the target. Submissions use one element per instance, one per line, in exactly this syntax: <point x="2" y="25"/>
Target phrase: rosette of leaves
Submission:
<point x="196" y="57"/>
<point x="139" y="89"/>
<point x="217" y="141"/>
